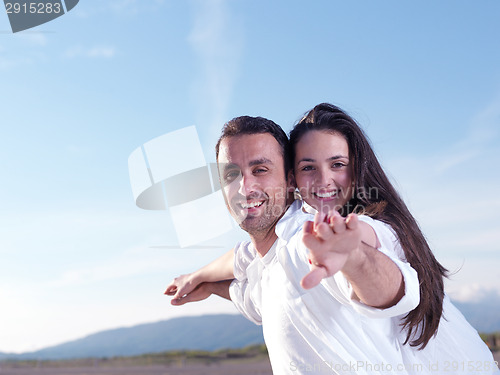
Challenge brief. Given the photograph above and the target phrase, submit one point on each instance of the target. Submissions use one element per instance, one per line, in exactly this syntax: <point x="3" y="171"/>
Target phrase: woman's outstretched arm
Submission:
<point x="350" y="246"/>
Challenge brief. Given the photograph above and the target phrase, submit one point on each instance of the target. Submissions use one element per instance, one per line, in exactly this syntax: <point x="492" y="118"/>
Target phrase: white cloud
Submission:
<point x="24" y="52"/>
<point x="485" y="123"/>
<point x="101" y="52"/>
<point x="106" y="52"/>
<point x="124" y="6"/>
<point x="33" y="37"/>
<point x="5" y="63"/>
<point x="453" y="193"/>
<point x="217" y="40"/>
<point x="141" y="260"/>
<point x="454" y="159"/>
<point x="482" y="133"/>
<point x="475" y="292"/>
<point x="119" y="8"/>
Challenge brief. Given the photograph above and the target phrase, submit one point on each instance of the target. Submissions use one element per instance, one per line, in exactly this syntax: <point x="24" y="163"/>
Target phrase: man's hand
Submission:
<point x="218" y="270"/>
<point x="331" y="241"/>
<point x="199" y="293"/>
<point x="181" y="286"/>
<point x="185" y="289"/>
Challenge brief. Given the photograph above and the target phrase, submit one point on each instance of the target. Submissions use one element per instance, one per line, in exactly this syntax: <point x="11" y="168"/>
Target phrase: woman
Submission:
<point x="362" y="187"/>
<point x="335" y="170"/>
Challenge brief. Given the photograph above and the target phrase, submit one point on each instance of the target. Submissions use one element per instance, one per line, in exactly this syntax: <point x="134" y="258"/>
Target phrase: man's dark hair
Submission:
<point x="245" y="125"/>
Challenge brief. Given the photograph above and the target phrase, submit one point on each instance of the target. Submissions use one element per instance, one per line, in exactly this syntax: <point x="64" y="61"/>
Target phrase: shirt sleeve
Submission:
<point x="390" y="246"/>
<point x="243" y="256"/>
<point x="240" y="289"/>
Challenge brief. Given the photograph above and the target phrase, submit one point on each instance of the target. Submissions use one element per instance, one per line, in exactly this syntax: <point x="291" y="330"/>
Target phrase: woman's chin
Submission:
<point x="325" y="206"/>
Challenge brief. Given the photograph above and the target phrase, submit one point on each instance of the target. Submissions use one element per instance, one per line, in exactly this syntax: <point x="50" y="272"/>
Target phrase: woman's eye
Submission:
<point x="338" y="165"/>
<point x="307" y="168"/>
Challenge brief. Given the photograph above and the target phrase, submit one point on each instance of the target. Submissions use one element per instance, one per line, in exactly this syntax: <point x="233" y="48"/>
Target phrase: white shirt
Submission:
<point x="323" y="330"/>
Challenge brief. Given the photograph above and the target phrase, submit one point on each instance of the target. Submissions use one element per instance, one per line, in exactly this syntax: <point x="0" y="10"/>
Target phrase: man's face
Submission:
<point x="252" y="174"/>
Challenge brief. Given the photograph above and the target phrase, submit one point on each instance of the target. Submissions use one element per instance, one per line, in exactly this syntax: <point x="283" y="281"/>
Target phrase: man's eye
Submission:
<point x="230" y="176"/>
<point x="259" y="170"/>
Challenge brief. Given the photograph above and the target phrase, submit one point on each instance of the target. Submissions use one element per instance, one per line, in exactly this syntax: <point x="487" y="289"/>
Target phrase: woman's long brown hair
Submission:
<point x="375" y="196"/>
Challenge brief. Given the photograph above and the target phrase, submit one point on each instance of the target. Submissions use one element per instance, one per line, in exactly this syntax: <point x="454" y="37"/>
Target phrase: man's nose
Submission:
<point x="246" y="185"/>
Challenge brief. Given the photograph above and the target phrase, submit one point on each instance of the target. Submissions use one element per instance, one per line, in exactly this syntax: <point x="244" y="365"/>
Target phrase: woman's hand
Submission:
<point x="332" y="240"/>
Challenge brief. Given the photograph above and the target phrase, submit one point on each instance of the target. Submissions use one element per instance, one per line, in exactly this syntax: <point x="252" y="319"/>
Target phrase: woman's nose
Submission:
<point x="324" y="178"/>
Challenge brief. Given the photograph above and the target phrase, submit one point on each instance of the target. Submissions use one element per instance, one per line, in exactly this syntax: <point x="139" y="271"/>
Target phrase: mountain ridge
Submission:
<point x="208" y="332"/>
<point x="205" y="332"/>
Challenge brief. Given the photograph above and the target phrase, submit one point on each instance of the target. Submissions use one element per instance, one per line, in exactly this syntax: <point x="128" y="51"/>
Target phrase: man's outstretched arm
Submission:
<point x="219" y="269"/>
<point x="205" y="290"/>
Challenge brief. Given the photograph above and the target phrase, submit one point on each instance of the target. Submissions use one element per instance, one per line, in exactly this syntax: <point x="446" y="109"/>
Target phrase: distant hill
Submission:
<point x="483" y="315"/>
<point x="210" y="332"/>
<point x="4" y="355"/>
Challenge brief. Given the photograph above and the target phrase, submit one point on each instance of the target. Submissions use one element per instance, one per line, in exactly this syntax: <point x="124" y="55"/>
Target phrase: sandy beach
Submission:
<point x="261" y="367"/>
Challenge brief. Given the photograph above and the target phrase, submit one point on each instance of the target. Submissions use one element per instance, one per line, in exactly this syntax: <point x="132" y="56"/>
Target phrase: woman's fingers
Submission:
<point x="308" y="227"/>
<point x="337" y="223"/>
<point x="319" y="237"/>
<point x="314" y="277"/>
<point x="318" y="219"/>
<point x="352" y="221"/>
<point x="311" y="241"/>
<point x="324" y="232"/>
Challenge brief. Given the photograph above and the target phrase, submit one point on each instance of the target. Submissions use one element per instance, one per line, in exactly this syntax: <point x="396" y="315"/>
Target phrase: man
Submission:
<point x="321" y="330"/>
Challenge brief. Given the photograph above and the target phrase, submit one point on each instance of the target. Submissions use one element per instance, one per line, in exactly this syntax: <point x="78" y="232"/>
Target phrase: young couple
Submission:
<point x="342" y="280"/>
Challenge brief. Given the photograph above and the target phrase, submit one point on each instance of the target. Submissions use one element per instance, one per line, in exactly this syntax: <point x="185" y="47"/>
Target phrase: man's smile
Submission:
<point x="251" y="204"/>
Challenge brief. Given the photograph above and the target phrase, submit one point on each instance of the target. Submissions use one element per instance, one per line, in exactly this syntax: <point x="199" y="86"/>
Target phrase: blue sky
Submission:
<point x="80" y="93"/>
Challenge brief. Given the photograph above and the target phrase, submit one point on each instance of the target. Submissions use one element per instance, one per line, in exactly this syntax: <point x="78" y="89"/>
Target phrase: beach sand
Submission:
<point x="261" y="367"/>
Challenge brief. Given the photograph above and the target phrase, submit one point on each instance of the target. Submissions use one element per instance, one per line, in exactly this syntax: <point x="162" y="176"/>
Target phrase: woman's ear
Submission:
<point x="292" y="185"/>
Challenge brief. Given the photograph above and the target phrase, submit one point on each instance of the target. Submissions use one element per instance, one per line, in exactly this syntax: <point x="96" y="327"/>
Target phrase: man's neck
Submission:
<point x="264" y="241"/>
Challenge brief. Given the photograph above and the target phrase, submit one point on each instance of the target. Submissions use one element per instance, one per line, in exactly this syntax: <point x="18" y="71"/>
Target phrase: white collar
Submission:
<point x="292" y="221"/>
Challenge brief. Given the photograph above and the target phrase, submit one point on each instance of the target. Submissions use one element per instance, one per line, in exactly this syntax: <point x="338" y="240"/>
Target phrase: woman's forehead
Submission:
<point x="321" y="142"/>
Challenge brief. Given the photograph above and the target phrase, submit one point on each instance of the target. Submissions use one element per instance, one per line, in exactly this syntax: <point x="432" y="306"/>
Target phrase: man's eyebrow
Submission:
<point x="260" y="161"/>
<point x="227" y="166"/>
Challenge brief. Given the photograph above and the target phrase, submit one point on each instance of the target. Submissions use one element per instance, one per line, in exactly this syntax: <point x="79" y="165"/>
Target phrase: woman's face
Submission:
<point x="323" y="172"/>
